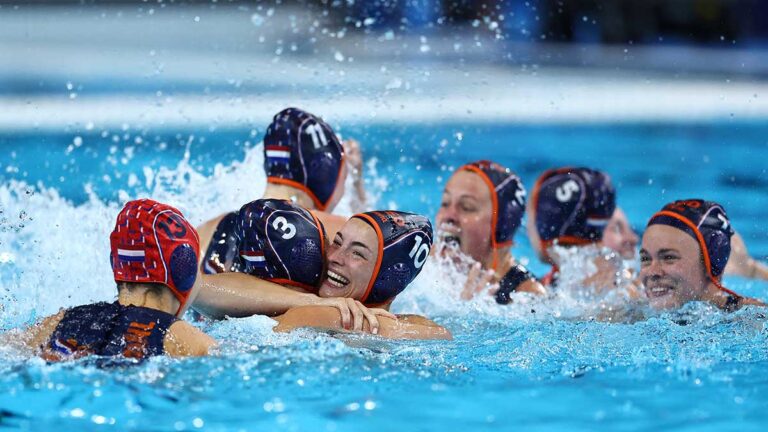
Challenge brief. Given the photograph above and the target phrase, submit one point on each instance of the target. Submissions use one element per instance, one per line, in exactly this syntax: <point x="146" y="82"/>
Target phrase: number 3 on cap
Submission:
<point x="419" y="253"/>
<point x="565" y="192"/>
<point x="282" y="225"/>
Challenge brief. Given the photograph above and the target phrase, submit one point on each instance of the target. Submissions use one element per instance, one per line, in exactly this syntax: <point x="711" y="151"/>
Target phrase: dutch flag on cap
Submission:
<point x="598" y="222"/>
<point x="282" y="153"/>
<point x="130" y="255"/>
<point x="254" y="257"/>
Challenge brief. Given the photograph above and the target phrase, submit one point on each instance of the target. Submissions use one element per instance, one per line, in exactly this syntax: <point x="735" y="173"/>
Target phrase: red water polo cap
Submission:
<point x="153" y="243"/>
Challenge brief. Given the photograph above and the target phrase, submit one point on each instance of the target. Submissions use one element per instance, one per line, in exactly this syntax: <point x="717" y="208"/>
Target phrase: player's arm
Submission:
<point x="409" y="327"/>
<point x="239" y="295"/>
<point x="749" y="301"/>
<point x="184" y="340"/>
<point x="34" y="338"/>
<point x="742" y="264"/>
<point x="354" y="155"/>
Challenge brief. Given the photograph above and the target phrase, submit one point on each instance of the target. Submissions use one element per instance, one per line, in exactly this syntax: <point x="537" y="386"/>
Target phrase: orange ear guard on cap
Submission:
<point x="404" y="241"/>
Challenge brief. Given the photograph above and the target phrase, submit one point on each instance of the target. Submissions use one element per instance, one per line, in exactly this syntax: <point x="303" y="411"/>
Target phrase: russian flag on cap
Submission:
<point x="130" y="255"/>
<point x="254" y="257"/>
<point x="278" y="152"/>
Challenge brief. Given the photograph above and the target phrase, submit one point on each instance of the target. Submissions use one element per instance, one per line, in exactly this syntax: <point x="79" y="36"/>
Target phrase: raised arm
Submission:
<point x="409" y="327"/>
<point x="354" y="157"/>
<point x="741" y="264"/>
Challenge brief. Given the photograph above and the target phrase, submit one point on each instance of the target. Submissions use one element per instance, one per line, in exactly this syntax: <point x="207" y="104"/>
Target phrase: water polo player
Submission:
<point x="305" y="163"/>
<point x="685" y="250"/>
<point x="154" y="260"/>
<point x="619" y="235"/>
<point x="570" y="208"/>
<point x="372" y="259"/>
<point x="482" y="207"/>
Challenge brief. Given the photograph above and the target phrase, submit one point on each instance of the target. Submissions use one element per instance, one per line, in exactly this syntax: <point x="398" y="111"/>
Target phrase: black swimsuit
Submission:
<point x="732" y="303"/>
<point x="222" y="253"/>
<point x="109" y="329"/>
<point x="511" y="281"/>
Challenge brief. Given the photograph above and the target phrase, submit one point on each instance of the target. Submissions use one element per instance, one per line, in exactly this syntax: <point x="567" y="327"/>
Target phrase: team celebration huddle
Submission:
<point x="288" y="256"/>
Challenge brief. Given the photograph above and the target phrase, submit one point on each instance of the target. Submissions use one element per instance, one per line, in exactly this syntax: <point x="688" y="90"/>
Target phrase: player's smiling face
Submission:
<point x="671" y="267"/>
<point x="351" y="261"/>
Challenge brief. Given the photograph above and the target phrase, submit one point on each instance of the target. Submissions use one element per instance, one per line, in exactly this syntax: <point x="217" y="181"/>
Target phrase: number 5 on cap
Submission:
<point x="565" y="192"/>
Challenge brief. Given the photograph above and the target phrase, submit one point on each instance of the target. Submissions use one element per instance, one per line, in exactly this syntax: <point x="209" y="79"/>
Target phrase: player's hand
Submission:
<point x="478" y="280"/>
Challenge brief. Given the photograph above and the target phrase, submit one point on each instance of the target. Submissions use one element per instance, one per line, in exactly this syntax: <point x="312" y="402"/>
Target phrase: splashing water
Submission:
<point x="552" y="356"/>
<point x="56" y="254"/>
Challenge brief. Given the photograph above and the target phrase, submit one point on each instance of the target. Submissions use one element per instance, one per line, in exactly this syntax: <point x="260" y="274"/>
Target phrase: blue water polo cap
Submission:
<point x="508" y="200"/>
<point x="708" y="224"/>
<point x="572" y="206"/>
<point x="404" y="243"/>
<point x="302" y="151"/>
<point x="281" y="242"/>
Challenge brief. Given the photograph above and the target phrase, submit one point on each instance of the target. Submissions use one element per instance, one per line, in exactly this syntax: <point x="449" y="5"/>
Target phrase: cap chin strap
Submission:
<point x="495" y="262"/>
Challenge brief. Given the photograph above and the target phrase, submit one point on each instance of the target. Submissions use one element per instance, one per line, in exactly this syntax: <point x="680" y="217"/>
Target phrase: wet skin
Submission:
<point x="620" y="236"/>
<point x="671" y="268"/>
<point x="465" y="216"/>
<point x="351" y="261"/>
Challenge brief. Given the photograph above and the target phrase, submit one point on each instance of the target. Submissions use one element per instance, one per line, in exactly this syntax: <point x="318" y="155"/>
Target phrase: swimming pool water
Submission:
<point x="533" y="365"/>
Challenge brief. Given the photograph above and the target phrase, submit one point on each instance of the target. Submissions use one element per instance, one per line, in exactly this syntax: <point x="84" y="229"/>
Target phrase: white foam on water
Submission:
<point x="60" y="251"/>
<point x="55" y="254"/>
<point x="437" y="292"/>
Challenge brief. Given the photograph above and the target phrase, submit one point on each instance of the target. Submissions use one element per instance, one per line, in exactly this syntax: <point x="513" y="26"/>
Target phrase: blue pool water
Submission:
<point x="539" y="366"/>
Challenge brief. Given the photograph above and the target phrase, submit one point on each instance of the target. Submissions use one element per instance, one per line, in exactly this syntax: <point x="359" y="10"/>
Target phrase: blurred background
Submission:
<point x="695" y="22"/>
<point x="133" y="86"/>
<point x="105" y="101"/>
